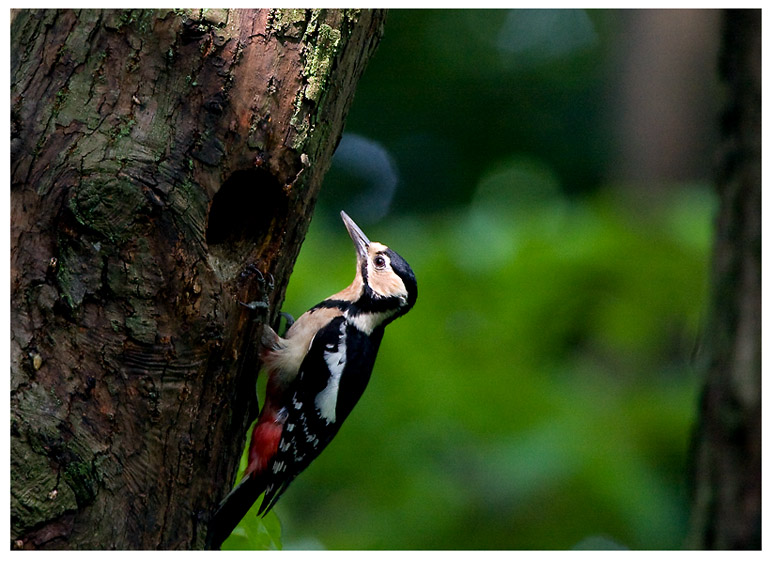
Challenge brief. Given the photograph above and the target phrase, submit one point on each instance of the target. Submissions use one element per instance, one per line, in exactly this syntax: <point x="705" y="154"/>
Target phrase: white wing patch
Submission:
<point x="327" y="400"/>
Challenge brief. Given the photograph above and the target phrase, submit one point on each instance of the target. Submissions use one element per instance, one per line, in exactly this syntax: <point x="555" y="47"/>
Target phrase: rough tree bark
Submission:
<point x="726" y="508"/>
<point x="156" y="155"/>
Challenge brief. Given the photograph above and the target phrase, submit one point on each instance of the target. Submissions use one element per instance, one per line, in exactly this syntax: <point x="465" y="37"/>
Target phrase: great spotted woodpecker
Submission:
<point x="316" y="375"/>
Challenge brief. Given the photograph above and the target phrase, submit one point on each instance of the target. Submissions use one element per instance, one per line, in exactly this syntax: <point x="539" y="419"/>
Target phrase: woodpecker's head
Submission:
<point x="385" y="285"/>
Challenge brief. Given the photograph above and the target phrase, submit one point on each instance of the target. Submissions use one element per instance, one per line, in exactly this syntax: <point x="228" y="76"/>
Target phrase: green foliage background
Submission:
<point x="542" y="392"/>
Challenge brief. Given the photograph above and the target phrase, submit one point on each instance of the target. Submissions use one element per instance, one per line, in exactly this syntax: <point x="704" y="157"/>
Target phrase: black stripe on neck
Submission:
<point x="364" y="304"/>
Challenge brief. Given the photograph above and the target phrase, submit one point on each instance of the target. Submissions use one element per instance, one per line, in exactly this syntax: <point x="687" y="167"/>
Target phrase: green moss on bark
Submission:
<point x="320" y="61"/>
<point x="287" y="22"/>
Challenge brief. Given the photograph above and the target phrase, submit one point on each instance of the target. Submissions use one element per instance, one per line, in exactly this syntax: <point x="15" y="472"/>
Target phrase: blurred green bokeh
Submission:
<point x="542" y="392"/>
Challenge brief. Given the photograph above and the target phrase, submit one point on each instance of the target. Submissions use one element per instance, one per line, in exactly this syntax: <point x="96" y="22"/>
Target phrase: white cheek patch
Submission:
<point x="327" y="400"/>
<point x="387" y="284"/>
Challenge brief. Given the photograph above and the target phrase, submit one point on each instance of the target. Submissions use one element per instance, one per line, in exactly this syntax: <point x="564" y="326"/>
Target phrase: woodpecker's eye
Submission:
<point x="380" y="262"/>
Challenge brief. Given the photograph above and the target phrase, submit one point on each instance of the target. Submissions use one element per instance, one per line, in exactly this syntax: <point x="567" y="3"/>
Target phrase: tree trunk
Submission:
<point x="726" y="508"/>
<point x="158" y="158"/>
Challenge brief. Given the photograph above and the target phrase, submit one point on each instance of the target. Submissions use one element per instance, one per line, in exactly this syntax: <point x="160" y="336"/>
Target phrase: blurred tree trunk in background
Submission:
<point x="726" y="507"/>
<point x="665" y="94"/>
<point x="156" y="155"/>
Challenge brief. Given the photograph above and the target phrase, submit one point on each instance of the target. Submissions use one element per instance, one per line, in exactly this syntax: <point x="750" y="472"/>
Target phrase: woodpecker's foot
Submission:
<point x="266" y="287"/>
<point x="255" y="305"/>
<point x="288" y="321"/>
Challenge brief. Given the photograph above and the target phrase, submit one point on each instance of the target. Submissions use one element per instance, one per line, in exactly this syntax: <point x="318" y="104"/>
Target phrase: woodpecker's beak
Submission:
<point x="361" y="242"/>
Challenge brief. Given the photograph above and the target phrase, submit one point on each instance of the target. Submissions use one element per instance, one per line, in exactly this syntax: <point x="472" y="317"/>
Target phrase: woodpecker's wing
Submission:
<point x="330" y="381"/>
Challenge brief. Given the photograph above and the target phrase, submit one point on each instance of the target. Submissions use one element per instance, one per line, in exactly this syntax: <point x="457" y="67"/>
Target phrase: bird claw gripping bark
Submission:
<point x="266" y="288"/>
<point x="289" y="320"/>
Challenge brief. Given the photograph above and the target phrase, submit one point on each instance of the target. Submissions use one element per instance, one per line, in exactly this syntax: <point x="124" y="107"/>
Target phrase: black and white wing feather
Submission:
<point x="322" y="396"/>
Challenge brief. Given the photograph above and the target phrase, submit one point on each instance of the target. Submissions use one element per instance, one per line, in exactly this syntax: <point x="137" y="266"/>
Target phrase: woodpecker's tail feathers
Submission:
<point x="271" y="496"/>
<point x="232" y="509"/>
